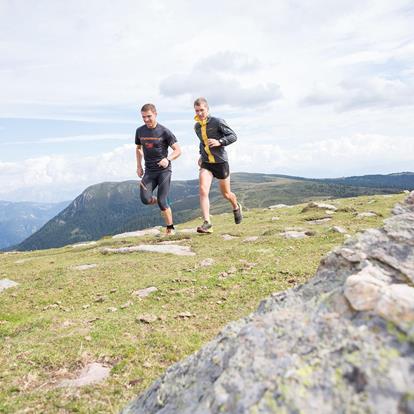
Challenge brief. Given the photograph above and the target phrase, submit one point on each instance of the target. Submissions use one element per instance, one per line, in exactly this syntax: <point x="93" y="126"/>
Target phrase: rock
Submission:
<point x="147" y="318"/>
<point x="154" y="248"/>
<point x="185" y="315"/>
<point x="85" y="266"/>
<point x="143" y="293"/>
<point x="228" y="237"/>
<point x="188" y="231"/>
<point x="275" y="218"/>
<point x="207" y="262"/>
<point x="278" y="206"/>
<point x="366" y="214"/>
<point x="6" y="284"/>
<point x="341" y="342"/>
<point x="126" y="304"/>
<point x="87" y="244"/>
<point x="139" y="233"/>
<point x="251" y="239"/>
<point x="338" y="229"/>
<point x="112" y="309"/>
<point x="293" y="234"/>
<point x="93" y="373"/>
<point x="320" y="221"/>
<point x="316" y="205"/>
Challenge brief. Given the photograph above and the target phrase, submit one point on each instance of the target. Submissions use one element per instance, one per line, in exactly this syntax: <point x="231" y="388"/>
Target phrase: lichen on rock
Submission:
<point x="342" y="342"/>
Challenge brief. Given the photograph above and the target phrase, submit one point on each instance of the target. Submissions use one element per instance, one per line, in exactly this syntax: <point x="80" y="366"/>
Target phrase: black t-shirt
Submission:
<point x="155" y="143"/>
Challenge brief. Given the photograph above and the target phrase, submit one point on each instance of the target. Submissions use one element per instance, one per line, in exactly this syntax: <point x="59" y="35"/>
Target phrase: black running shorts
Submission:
<point x="219" y="170"/>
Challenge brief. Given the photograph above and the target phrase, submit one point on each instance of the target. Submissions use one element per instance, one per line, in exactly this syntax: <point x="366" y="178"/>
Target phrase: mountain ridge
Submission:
<point x="114" y="207"/>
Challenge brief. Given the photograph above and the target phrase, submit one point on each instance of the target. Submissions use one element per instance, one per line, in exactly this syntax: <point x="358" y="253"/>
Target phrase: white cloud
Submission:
<point x="331" y="157"/>
<point x="220" y="90"/>
<point x="57" y="177"/>
<point x="351" y="63"/>
<point x="365" y="93"/>
<point x="54" y="178"/>
<point x="75" y="138"/>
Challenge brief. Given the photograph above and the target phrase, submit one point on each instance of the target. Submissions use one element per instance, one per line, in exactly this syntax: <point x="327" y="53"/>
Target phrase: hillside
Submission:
<point x="21" y="219"/>
<point x="404" y="180"/>
<point x="75" y="306"/>
<point x="110" y="208"/>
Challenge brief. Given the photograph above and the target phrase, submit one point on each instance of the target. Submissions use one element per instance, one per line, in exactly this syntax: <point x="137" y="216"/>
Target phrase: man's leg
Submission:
<point x="206" y="178"/>
<point x="227" y="194"/>
<point x="164" y="182"/>
<point x="146" y="187"/>
<point x="224" y="185"/>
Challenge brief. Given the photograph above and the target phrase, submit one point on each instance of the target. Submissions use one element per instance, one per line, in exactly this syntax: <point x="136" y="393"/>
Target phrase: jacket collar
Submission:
<point x="196" y="118"/>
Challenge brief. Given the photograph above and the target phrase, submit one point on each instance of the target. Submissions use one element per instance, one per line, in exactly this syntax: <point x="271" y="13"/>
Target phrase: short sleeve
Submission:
<point x="170" y="137"/>
<point x="137" y="138"/>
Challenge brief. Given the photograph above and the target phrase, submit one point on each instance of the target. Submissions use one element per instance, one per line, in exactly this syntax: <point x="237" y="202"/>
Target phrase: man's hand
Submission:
<point x="164" y="163"/>
<point x="213" y="142"/>
<point x="140" y="171"/>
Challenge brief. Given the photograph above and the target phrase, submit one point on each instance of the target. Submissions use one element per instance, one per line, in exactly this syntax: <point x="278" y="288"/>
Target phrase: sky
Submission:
<point x="312" y="89"/>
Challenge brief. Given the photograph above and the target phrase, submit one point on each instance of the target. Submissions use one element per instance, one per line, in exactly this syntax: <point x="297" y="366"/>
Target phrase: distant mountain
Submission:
<point x="110" y="208"/>
<point x="404" y="180"/>
<point x="19" y="220"/>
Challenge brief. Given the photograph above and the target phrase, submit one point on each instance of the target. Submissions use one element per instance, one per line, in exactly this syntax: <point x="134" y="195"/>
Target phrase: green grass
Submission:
<point x="48" y="334"/>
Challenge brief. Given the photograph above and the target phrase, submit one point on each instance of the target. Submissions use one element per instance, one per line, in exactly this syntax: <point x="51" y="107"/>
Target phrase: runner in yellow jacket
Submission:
<point x="214" y="135"/>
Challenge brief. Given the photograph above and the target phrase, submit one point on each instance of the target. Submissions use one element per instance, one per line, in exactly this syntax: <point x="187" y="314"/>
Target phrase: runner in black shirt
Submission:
<point x="152" y="141"/>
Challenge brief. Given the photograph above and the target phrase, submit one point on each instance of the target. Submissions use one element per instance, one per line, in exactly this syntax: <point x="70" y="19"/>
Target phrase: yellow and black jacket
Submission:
<point x="215" y="128"/>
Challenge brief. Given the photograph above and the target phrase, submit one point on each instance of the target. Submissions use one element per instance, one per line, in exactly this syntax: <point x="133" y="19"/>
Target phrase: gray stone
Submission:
<point x="366" y="214"/>
<point x="320" y="347"/>
<point x="147" y="318"/>
<point x="86" y="244"/>
<point x="154" y="248"/>
<point x="85" y="266"/>
<point x="93" y="373"/>
<point x="154" y="231"/>
<point x="251" y="239"/>
<point x="294" y="234"/>
<point x="207" y="262"/>
<point x="6" y="284"/>
<point x="313" y="205"/>
<point x="338" y="229"/>
<point x="143" y="293"/>
<point x="320" y="221"/>
<point x="188" y="231"/>
<point x="278" y="206"/>
<point x="228" y="237"/>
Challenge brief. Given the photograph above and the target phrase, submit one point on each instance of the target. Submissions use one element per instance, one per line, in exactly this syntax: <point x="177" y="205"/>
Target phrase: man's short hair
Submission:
<point x="149" y="107"/>
<point x="201" y="101"/>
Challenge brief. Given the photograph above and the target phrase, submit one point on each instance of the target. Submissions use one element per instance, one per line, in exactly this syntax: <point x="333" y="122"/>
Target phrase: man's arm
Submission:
<point x="139" y="156"/>
<point x="174" y="155"/>
<point x="229" y="136"/>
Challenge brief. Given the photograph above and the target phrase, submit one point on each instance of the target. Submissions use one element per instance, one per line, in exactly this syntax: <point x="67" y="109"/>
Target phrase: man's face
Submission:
<point x="149" y="118"/>
<point x="201" y="111"/>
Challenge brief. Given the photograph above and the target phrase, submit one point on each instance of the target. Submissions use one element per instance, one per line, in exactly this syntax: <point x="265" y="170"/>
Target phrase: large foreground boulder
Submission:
<point x="341" y="343"/>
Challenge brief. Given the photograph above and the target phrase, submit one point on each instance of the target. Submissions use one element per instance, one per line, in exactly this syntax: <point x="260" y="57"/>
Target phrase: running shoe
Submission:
<point x="238" y="215"/>
<point x="205" y="228"/>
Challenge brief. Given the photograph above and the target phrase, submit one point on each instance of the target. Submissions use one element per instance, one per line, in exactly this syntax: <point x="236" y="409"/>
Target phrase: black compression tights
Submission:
<point x="150" y="181"/>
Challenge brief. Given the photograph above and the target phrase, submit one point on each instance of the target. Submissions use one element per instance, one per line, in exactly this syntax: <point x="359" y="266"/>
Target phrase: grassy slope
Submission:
<point x="111" y="208"/>
<point x="40" y="345"/>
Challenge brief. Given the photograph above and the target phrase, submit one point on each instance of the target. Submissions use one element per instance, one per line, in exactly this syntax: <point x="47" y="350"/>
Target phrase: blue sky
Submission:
<point x="322" y="89"/>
